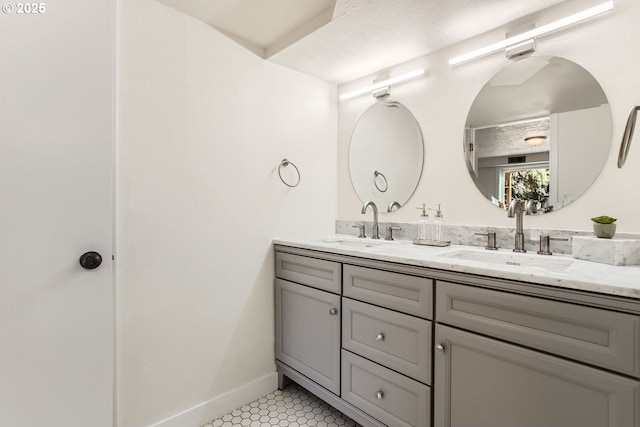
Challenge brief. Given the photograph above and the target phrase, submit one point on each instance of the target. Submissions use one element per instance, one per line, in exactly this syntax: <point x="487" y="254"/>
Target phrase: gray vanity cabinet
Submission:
<point x="483" y="382"/>
<point x="407" y="346"/>
<point x="360" y="338"/>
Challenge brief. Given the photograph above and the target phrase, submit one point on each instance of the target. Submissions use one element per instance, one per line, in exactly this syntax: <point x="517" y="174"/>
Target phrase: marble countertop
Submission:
<point x="556" y="270"/>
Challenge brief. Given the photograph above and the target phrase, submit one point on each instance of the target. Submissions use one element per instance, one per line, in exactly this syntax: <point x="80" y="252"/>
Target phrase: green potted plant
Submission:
<point x="604" y="226"/>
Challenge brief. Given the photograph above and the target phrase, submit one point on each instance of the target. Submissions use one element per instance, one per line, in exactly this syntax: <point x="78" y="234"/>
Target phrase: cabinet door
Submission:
<point x="308" y="332"/>
<point x="482" y="382"/>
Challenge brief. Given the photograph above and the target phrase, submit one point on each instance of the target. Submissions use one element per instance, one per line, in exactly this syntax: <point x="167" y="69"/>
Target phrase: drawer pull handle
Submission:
<point x="439" y="349"/>
<point x="380" y="395"/>
<point x="380" y="337"/>
<point x="333" y="311"/>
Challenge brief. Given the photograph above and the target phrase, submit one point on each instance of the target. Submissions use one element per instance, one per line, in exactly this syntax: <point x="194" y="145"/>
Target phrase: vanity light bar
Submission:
<point x="384" y="83"/>
<point x="545" y="29"/>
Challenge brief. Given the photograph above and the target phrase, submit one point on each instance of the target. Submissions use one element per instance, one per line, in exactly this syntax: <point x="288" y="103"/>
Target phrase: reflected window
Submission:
<point x="525" y="184"/>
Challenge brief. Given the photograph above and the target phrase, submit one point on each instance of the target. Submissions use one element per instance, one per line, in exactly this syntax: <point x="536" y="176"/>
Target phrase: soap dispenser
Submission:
<point x="423" y="225"/>
<point x="439" y="228"/>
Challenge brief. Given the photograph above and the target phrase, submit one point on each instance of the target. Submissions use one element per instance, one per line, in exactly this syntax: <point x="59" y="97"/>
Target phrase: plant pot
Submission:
<point x="604" y="231"/>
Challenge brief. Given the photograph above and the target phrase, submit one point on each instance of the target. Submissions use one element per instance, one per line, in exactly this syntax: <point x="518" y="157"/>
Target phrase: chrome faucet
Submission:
<point x="376" y="232"/>
<point x="516" y="210"/>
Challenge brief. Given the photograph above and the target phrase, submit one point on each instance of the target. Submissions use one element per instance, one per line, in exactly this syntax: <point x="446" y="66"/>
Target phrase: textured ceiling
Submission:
<point x="342" y="40"/>
<point x="368" y="35"/>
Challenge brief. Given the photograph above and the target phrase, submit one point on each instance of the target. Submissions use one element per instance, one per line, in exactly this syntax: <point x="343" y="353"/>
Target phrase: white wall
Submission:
<point x="441" y="100"/>
<point x="203" y="124"/>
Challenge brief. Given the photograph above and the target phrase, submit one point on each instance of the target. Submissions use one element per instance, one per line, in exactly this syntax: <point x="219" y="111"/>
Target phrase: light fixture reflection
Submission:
<point x="535" y="141"/>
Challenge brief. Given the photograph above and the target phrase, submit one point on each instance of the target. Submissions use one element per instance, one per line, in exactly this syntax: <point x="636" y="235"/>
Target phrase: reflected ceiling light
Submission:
<point x="383" y="84"/>
<point x="553" y="26"/>
<point x="534" y="141"/>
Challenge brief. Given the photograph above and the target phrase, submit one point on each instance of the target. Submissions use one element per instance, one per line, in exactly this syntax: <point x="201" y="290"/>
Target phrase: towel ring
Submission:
<point x="386" y="183"/>
<point x="627" y="136"/>
<point x="286" y="163"/>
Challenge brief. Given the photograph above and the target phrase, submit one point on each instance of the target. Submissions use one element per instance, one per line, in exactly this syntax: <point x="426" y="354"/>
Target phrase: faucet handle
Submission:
<point x="390" y="229"/>
<point x="545" y="244"/>
<point x="360" y="230"/>
<point x="491" y="240"/>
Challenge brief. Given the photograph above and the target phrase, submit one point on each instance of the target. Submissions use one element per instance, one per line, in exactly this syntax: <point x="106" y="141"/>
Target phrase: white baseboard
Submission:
<point x="223" y="404"/>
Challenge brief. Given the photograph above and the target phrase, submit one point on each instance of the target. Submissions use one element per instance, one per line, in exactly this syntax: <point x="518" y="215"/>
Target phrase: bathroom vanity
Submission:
<point x="395" y="334"/>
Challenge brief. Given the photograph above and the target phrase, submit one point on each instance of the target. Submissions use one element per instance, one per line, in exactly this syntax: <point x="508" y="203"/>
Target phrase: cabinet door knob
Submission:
<point x="380" y="395"/>
<point x="380" y="337"/>
<point x="90" y="260"/>
<point x="439" y="349"/>
<point x="333" y="311"/>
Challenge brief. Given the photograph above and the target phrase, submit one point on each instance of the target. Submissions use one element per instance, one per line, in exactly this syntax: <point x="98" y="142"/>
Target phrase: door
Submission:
<point x="483" y="382"/>
<point x="56" y="149"/>
<point x="308" y="332"/>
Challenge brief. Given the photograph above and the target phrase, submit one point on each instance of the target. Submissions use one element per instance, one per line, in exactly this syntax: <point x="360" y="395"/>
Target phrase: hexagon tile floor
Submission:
<point x="292" y="407"/>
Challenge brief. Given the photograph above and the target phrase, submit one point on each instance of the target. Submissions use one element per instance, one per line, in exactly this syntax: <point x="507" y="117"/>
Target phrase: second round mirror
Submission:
<point x="540" y="130"/>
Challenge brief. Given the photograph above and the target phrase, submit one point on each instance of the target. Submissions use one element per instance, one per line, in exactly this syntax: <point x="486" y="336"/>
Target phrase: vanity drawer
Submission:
<point x="409" y="294"/>
<point x="604" y="338"/>
<point x="386" y="395"/>
<point x="308" y="271"/>
<point x="398" y="341"/>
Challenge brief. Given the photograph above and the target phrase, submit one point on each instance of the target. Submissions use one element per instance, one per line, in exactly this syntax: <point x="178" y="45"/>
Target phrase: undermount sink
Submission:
<point x="544" y="262"/>
<point x="355" y="242"/>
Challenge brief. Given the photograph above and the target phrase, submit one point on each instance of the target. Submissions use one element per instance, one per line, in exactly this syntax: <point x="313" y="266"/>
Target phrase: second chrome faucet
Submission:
<point x="517" y="210"/>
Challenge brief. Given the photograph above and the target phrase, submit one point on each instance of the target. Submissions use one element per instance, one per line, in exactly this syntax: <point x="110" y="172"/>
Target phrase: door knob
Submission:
<point x="439" y="349"/>
<point x="333" y="311"/>
<point x="90" y="260"/>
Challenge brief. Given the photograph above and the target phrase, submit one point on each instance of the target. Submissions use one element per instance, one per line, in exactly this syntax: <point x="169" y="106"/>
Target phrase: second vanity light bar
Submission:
<point x="384" y="83"/>
<point x="545" y="29"/>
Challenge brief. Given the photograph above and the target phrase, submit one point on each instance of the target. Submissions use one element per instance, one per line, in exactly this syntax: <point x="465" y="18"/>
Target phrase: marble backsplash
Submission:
<point x="465" y="235"/>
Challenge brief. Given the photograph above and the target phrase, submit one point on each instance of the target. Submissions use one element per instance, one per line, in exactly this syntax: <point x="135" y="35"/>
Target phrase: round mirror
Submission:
<point x="386" y="155"/>
<point x="539" y="130"/>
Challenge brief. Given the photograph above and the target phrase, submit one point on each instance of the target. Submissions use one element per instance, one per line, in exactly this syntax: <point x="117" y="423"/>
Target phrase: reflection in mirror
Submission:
<point x="386" y="155"/>
<point x="539" y="130"/>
